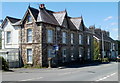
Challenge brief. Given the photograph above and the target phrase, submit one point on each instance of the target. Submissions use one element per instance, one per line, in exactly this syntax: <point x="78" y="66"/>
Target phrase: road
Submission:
<point x="102" y="72"/>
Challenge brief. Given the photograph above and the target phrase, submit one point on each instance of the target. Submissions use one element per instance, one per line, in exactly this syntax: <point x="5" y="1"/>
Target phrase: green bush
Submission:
<point x="105" y="60"/>
<point x="4" y="64"/>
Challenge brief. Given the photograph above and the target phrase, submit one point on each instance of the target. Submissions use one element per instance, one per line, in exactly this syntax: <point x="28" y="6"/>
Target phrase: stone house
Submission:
<point x="47" y="34"/>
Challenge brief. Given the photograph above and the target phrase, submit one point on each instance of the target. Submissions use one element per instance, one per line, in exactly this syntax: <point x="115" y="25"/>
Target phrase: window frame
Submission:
<point x="29" y="19"/>
<point x="10" y="37"/>
<point x="88" y="40"/>
<point x="64" y="55"/>
<point x="29" y="35"/>
<point x="50" y="36"/>
<point x="72" y="38"/>
<point x="80" y="52"/>
<point x="28" y="61"/>
<point x="64" y="39"/>
<point x="88" y="53"/>
<point x="80" y="39"/>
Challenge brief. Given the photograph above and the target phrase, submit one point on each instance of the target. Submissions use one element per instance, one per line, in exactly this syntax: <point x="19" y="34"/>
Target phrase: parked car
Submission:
<point x="118" y="58"/>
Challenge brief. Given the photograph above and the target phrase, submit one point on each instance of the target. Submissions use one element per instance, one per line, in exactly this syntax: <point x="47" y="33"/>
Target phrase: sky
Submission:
<point x="103" y="15"/>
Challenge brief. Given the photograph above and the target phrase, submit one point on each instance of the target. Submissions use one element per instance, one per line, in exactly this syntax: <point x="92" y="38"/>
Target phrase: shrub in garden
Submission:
<point x="4" y="64"/>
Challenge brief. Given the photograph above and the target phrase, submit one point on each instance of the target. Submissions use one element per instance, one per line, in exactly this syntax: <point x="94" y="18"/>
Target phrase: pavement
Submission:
<point x="88" y="72"/>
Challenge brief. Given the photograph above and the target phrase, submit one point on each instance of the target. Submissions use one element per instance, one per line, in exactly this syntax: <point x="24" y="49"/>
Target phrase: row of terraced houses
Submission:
<point x="43" y="34"/>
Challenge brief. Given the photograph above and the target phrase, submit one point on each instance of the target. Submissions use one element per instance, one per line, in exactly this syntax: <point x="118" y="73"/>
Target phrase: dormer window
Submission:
<point x="29" y="19"/>
<point x="65" y="23"/>
<point x="81" y="27"/>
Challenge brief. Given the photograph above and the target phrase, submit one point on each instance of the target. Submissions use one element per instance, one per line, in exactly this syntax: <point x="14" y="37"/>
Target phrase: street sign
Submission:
<point x="56" y="47"/>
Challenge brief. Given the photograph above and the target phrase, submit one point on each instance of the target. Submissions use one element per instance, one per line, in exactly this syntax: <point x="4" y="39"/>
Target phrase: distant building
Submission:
<point x="108" y="46"/>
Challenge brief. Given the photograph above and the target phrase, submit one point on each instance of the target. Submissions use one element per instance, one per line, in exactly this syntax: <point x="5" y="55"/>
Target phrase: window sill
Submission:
<point x="29" y="62"/>
<point x="29" y="42"/>
<point x="29" y="22"/>
<point x="8" y="43"/>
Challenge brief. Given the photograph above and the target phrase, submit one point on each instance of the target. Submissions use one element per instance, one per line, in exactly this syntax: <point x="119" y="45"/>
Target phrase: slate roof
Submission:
<point x="17" y="23"/>
<point x="46" y="16"/>
<point x="71" y="25"/>
<point x="13" y="20"/>
<point x="56" y="18"/>
<point x="34" y="12"/>
<point x="105" y="37"/>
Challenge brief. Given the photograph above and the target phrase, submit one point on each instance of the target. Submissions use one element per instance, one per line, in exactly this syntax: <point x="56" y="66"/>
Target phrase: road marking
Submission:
<point x="106" y="77"/>
<point x="31" y="79"/>
<point x="65" y="73"/>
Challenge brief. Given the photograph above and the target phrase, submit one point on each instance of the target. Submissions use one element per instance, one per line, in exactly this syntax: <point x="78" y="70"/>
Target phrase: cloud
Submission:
<point x="114" y="23"/>
<point x="108" y="18"/>
<point x="114" y="29"/>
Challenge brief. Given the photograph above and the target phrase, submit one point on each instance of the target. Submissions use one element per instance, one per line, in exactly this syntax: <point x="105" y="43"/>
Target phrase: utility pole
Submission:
<point x="102" y="46"/>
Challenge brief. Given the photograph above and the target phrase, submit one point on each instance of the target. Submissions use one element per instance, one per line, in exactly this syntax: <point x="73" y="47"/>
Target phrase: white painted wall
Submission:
<point x="14" y="36"/>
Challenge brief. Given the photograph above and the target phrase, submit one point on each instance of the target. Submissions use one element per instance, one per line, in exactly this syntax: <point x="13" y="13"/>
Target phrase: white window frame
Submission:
<point x="29" y="35"/>
<point x="88" y="53"/>
<point x="9" y="37"/>
<point x="64" y="37"/>
<point x="50" y="36"/>
<point x="29" y="62"/>
<point x="88" y="40"/>
<point x="113" y="46"/>
<point x="72" y="38"/>
<point x="80" y="39"/>
<point x="72" y="54"/>
<point x="80" y="52"/>
<point x="64" y="54"/>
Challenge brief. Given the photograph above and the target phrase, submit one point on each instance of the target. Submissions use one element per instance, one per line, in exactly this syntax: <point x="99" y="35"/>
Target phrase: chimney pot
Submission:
<point x="42" y="5"/>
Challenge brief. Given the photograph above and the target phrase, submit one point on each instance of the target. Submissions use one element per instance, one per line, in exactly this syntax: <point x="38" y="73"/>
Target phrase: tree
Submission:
<point x="96" y="49"/>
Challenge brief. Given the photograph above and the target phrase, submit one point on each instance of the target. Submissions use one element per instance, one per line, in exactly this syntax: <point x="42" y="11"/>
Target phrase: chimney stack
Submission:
<point x="42" y="6"/>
